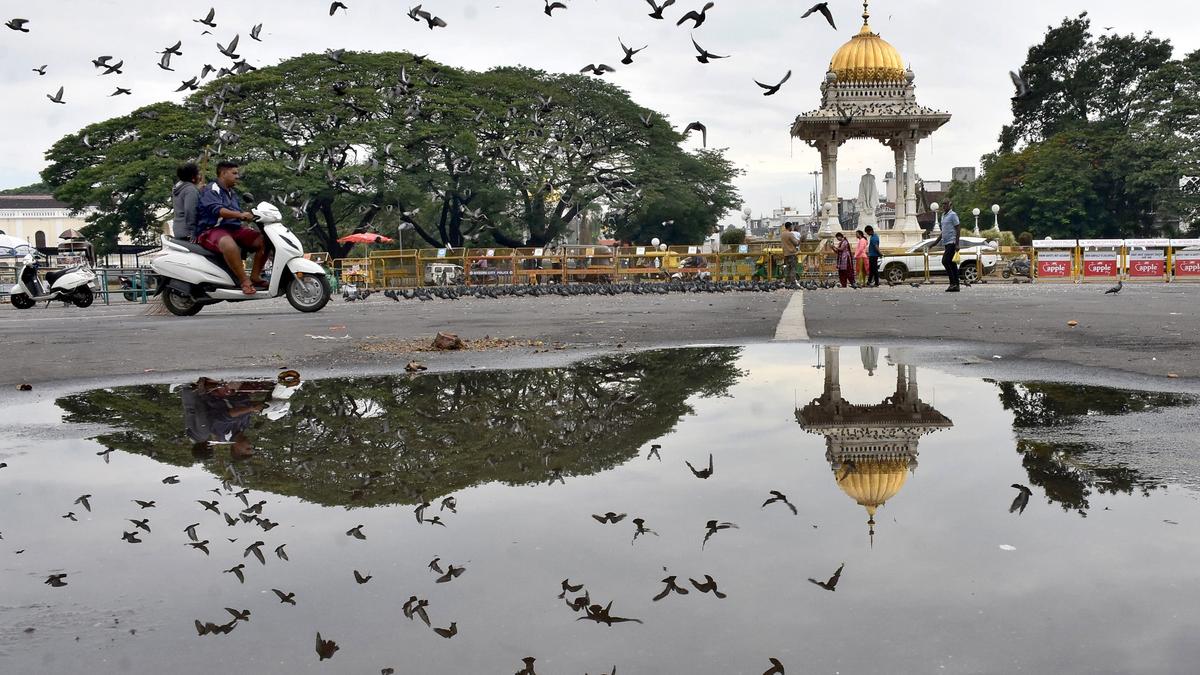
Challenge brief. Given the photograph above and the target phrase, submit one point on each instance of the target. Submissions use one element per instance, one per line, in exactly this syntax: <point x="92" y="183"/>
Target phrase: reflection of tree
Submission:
<point x="379" y="440"/>
<point x="1069" y="472"/>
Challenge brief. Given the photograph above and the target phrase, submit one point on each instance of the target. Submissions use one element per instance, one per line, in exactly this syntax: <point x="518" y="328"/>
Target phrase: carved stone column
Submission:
<point x="829" y="221"/>
<point x="910" y="187"/>
<point x="901" y="191"/>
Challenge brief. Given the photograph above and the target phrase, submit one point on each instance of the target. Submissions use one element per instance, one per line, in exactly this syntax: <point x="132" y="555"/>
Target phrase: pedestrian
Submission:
<point x="872" y="257"/>
<point x="790" y="249"/>
<point x="861" y="265"/>
<point x="184" y="198"/>
<point x="845" y="259"/>
<point x="950" y="240"/>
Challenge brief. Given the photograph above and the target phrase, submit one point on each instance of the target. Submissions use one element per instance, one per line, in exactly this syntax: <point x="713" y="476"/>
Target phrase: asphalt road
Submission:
<point x="1145" y="332"/>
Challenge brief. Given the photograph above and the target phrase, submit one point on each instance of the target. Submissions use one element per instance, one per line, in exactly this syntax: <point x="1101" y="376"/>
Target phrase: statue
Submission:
<point x="868" y="200"/>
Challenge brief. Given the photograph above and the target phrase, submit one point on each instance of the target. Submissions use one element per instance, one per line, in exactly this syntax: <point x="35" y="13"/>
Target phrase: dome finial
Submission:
<point x="866" y="13"/>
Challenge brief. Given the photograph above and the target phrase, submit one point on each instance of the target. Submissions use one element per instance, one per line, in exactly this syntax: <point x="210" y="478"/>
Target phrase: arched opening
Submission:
<point x="39" y="239"/>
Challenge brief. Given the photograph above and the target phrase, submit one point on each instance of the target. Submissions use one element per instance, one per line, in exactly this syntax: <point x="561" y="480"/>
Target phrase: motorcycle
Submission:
<point x="191" y="276"/>
<point x="1020" y="267"/>
<point x="71" y="285"/>
<point x="131" y="286"/>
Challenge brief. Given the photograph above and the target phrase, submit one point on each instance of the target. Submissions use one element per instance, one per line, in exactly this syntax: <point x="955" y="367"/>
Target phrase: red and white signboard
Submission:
<point x="1187" y="264"/>
<point x="1146" y="264"/>
<point x="1055" y="264"/>
<point x="1100" y="264"/>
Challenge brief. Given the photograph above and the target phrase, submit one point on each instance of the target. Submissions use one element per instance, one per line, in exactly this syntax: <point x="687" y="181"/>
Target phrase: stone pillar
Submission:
<point x="829" y="221"/>
<point x="898" y="149"/>
<point x="910" y="187"/>
<point x="833" y="380"/>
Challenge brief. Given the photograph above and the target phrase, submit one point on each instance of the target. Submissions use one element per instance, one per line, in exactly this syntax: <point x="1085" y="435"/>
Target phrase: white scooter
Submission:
<point x="73" y="284"/>
<point x="191" y="276"/>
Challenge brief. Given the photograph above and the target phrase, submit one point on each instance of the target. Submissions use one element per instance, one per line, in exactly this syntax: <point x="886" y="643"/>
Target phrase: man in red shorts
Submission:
<point x="219" y="227"/>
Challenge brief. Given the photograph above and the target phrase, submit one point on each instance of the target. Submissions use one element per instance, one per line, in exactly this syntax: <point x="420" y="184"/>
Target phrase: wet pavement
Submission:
<point x="908" y="551"/>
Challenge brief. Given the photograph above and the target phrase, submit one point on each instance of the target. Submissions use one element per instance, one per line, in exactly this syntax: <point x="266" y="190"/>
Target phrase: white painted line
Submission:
<point x="791" y="323"/>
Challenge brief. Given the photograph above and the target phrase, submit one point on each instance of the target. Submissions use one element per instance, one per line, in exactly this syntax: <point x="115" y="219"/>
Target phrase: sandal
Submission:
<point x="248" y="288"/>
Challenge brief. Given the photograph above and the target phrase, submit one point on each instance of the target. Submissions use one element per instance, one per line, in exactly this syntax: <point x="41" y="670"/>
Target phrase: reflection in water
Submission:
<point x="1070" y="471"/>
<point x="872" y="447"/>
<point x="401" y="439"/>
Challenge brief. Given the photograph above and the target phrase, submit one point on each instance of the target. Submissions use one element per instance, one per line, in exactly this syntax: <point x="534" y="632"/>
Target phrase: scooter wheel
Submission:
<point x="308" y="294"/>
<point x="179" y="304"/>
<point x="82" y="297"/>
<point x="22" y="301"/>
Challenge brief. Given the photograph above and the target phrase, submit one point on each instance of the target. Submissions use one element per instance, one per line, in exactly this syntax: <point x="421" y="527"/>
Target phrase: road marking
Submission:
<point x="791" y="323"/>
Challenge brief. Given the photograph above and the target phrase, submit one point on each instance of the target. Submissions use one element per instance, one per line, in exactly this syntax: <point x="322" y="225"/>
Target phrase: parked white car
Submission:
<point x="443" y="274"/>
<point x="895" y="268"/>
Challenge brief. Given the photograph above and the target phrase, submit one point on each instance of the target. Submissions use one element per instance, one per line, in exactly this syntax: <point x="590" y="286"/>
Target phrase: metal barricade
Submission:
<point x="490" y="266"/>
<point x="395" y="269"/>
<point x="589" y="264"/>
<point x="442" y="266"/>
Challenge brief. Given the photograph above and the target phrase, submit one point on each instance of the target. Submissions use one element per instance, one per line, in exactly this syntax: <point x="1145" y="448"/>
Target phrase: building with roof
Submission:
<point x="38" y="219"/>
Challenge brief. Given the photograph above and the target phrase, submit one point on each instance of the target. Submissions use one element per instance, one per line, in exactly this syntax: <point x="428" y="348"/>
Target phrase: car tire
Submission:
<point x="895" y="273"/>
<point x="968" y="272"/>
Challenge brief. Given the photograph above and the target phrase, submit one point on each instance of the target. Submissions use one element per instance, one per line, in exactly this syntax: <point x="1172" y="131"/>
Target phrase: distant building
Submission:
<point x="38" y="219"/>
<point x="769" y="227"/>
<point x="963" y="174"/>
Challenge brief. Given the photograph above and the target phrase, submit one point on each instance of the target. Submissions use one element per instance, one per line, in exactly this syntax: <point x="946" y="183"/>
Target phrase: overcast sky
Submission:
<point x="961" y="51"/>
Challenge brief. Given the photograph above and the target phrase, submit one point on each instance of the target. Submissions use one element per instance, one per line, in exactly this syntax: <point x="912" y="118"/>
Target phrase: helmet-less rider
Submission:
<point x="219" y="227"/>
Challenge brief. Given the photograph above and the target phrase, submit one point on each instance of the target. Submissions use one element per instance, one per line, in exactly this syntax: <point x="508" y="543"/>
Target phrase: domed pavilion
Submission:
<point x="869" y="92"/>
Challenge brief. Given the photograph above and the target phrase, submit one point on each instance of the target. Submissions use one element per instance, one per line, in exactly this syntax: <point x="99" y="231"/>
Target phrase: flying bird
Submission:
<point x="18" y="25"/>
<point x="697" y="17"/>
<point x="83" y="501"/>
<point x="771" y="89"/>
<point x="823" y="8"/>
<point x="648" y="121"/>
<point x="1019" y="85"/>
<point x="114" y="69"/>
<point x="658" y="9"/>
<point x="143" y="524"/>
<point x="1022" y="499"/>
<point x="41" y="70"/>
<point x="165" y="62"/>
<point x="255" y="32"/>
<point x="101" y="61"/>
<point x="712" y="527"/>
<point x="288" y="598"/>
<point x="628" y="52"/>
<point x="704" y="55"/>
<point x="597" y="69"/>
<point x="335" y="6"/>
<point x="325" y="648"/>
<point x="199" y="545"/>
<point x="708" y="586"/>
<point x="358" y="576"/>
<point x="190" y="85"/>
<point x="670" y="587"/>
<point x="256" y="549"/>
<point x="776" y="667"/>
<point x="551" y="6"/>
<point x="698" y="126"/>
<point x="230" y="50"/>
<point x="356" y="532"/>
<point x="56" y="580"/>
<point x="280" y="552"/>
<point x="173" y="50"/>
<point x="57" y="98"/>
<point x="452" y="572"/>
<point x="236" y="571"/>
<point x="832" y="582"/>
<point x="702" y="473"/>
<point x="208" y="20"/>
<point x="777" y="496"/>
<point x="447" y="632"/>
<point x="609" y="518"/>
<point x="190" y="531"/>
<point x="171" y="480"/>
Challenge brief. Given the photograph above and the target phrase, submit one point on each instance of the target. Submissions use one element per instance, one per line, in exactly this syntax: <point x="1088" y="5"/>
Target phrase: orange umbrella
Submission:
<point x="364" y="238"/>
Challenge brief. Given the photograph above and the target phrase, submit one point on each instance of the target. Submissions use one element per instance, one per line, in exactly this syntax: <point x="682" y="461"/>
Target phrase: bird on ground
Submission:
<point x="360" y="578"/>
<point x="143" y="524"/>
<point x="1115" y="289"/>
<point x="282" y="554"/>
<point x="288" y="598"/>
<point x="704" y="55"/>
<point x="145" y="504"/>
<point x="447" y="632"/>
<point x="609" y="518"/>
<point x="208" y="20"/>
<point x="83" y="501"/>
<point x="255" y="32"/>
<point x="597" y="69"/>
<point x="658" y="9"/>
<point x="776" y="667"/>
<point x="698" y="126"/>
<point x="696" y="17"/>
<point x="57" y="98"/>
<point x="708" y="586"/>
<point x="56" y="580"/>
<point x="18" y="25"/>
<point x="325" y="648"/>
<point x="41" y="70"/>
<point x="356" y="532"/>
<point x="190" y="531"/>
<point x="452" y="572"/>
<point x="771" y="89"/>
<point x="712" y="527"/>
<point x="335" y="6"/>
<point x="551" y="6"/>
<point x="629" y="53"/>
<point x="236" y="571"/>
<point x="777" y="496"/>
<point x="256" y="549"/>
<point x="199" y="546"/>
<point x="702" y="473"/>
<point x="671" y="587"/>
<point x="832" y="582"/>
<point x="823" y="8"/>
<point x="1021" y="500"/>
<point x="1020" y="86"/>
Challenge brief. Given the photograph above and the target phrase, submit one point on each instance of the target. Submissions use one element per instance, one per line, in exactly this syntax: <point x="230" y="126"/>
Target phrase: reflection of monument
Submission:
<point x="871" y="448"/>
<point x="868" y="201"/>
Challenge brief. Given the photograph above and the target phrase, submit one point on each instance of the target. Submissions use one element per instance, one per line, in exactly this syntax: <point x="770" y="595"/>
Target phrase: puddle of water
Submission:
<point x="900" y="479"/>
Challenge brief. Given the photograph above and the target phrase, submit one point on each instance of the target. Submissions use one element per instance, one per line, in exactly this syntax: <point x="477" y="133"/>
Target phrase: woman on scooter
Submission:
<point x="220" y="230"/>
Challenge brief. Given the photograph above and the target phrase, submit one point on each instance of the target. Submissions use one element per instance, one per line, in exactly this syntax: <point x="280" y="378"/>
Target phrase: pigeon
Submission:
<point x="832" y="582"/>
<point x="256" y="549"/>
<point x="238" y="615"/>
<point x="628" y="59"/>
<point x="71" y="517"/>
<point x="1020" y="85"/>
<point x="658" y="9"/>
<point x="1022" y="499"/>
<point x="165" y="62"/>
<point x="704" y="54"/>
<point x="702" y="473"/>
<point x="18" y="25"/>
<point x="447" y="632"/>
<point x="568" y="587"/>
<point x="450" y="503"/>
<point x="189" y="85"/>
<point x="708" y="586"/>
<point x="325" y="648"/>
<point x="452" y="572"/>
<point x="56" y="580"/>
<point x="712" y="527"/>
<point x="41" y="70"/>
<point x="114" y="69"/>
<point x="83" y="501"/>
<point x="143" y="524"/>
<point x="335" y="6"/>
<point x="145" y="504"/>
<point x="255" y="32"/>
<point x="777" y="496"/>
<point x="771" y="89"/>
<point x="199" y="546"/>
<point x="356" y="532"/>
<point x="597" y="69"/>
<point x="358" y="576"/>
<point x="131" y="537"/>
<point x="174" y="50"/>
<point x="57" y="98"/>
<point x="1116" y="289"/>
<point x="230" y="50"/>
<point x="609" y="518"/>
<point x="236" y="571"/>
<point x="551" y="6"/>
<point x="171" y="480"/>
<point x="288" y="598"/>
<point x="671" y="587"/>
<point x="698" y="126"/>
<point x="208" y="20"/>
<point x="190" y="531"/>
<point x="697" y="17"/>
<point x="280" y="552"/>
<point x="101" y="61"/>
<point x="776" y="667"/>
<point x="823" y="8"/>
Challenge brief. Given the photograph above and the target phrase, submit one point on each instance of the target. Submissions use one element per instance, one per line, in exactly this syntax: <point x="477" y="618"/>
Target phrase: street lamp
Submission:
<point x="937" y="221"/>
<point x="404" y="225"/>
<point x="975" y="212"/>
<point x="655" y="242"/>
<point x="996" y="213"/>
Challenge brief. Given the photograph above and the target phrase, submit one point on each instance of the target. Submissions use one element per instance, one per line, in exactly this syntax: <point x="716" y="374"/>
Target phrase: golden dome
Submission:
<point x="871" y="482"/>
<point x="867" y="58"/>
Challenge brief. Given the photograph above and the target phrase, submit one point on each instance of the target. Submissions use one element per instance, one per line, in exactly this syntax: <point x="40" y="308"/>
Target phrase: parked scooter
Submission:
<point x="71" y="285"/>
<point x="131" y="286"/>
<point x="1020" y="267"/>
<point x="191" y="276"/>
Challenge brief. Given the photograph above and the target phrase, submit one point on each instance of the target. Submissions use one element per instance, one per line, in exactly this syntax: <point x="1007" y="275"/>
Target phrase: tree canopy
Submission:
<point x="361" y="141"/>
<point x="1103" y="143"/>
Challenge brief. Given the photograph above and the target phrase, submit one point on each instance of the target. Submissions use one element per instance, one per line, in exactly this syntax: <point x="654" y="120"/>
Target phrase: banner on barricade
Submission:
<point x="1055" y="264"/>
<point x="1100" y="264"/>
<point x="1187" y="264"/>
<point x="1146" y="264"/>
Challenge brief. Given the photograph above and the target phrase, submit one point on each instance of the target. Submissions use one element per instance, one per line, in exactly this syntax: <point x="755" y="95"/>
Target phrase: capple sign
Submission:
<point x="1146" y="264"/>
<point x="1187" y="264"/>
<point x="1055" y="264"/>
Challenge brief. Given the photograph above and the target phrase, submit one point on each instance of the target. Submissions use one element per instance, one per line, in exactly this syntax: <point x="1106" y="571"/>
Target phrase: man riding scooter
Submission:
<point x="220" y="230"/>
